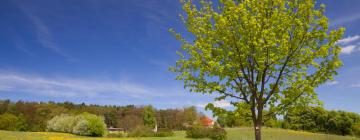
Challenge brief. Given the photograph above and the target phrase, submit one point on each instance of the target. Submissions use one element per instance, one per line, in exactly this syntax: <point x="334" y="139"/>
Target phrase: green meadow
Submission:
<point x="233" y="134"/>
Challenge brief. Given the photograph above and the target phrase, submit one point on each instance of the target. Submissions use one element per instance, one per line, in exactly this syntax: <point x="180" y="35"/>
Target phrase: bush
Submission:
<point x="81" y="128"/>
<point x="84" y="124"/>
<point x="198" y="131"/>
<point x="144" y="131"/>
<point x="164" y="133"/>
<point x="62" y="123"/>
<point x="141" y="131"/>
<point x="218" y="133"/>
<point x="215" y="133"/>
<point x="96" y="125"/>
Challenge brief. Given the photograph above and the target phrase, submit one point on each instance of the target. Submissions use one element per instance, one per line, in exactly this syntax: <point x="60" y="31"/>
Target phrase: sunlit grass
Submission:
<point x="281" y="134"/>
<point x="233" y="134"/>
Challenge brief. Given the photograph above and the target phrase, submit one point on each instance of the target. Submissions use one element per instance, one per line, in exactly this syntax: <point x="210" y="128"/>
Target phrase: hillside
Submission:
<point x="233" y="134"/>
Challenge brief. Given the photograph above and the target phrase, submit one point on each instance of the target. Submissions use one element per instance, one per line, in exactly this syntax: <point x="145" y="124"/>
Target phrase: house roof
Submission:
<point x="206" y="121"/>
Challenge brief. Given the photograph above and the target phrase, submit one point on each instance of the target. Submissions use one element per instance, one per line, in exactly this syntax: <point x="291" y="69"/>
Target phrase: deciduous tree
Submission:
<point x="149" y="116"/>
<point x="265" y="53"/>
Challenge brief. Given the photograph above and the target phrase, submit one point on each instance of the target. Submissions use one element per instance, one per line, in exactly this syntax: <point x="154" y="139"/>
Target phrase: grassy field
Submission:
<point x="233" y="134"/>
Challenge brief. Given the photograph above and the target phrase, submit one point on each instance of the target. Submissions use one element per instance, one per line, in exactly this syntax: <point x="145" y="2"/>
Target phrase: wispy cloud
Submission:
<point x="69" y="87"/>
<point x="350" y="44"/>
<point x="346" y="19"/>
<point x="20" y="44"/>
<point x="331" y="83"/>
<point x="349" y="49"/>
<point x="157" y="18"/>
<point x="43" y="33"/>
<point x="349" y="39"/>
<point x="222" y="104"/>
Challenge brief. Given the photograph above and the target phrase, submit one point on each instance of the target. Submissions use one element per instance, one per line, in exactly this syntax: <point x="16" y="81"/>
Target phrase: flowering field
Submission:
<point x="233" y="134"/>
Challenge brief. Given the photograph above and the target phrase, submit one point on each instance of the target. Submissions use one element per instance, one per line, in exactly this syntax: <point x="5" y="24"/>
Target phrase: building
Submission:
<point x="206" y="121"/>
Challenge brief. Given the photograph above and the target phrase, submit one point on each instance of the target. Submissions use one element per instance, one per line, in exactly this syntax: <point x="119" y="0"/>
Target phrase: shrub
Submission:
<point x="144" y="131"/>
<point x="96" y="125"/>
<point x="84" y="124"/>
<point x="164" y="132"/>
<point x="215" y="133"/>
<point x="81" y="127"/>
<point x="62" y="123"/>
<point x="218" y="133"/>
<point x="198" y="131"/>
<point x="141" y="131"/>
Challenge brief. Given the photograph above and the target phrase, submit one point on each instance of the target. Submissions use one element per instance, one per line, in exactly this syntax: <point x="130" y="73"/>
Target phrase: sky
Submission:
<point x="117" y="52"/>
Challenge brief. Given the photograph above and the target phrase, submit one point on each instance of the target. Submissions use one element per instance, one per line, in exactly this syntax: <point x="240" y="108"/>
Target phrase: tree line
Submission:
<point x="317" y="119"/>
<point x="311" y="118"/>
<point x="34" y="116"/>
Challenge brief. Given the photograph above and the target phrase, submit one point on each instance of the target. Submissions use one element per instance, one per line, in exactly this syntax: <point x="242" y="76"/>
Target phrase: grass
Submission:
<point x="281" y="134"/>
<point x="233" y="134"/>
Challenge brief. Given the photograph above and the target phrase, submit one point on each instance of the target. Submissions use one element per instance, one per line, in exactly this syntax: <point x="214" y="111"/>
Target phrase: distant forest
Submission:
<point x="34" y="115"/>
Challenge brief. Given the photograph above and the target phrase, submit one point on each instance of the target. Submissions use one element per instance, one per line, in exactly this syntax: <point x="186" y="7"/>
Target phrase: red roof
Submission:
<point x="206" y="121"/>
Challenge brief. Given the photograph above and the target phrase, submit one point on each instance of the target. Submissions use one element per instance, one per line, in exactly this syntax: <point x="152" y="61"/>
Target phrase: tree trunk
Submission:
<point x="257" y="128"/>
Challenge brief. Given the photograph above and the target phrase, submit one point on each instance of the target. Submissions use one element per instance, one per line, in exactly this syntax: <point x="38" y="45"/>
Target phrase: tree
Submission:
<point x="4" y="105"/>
<point x="307" y="118"/>
<point x="110" y="119"/>
<point x="317" y="119"/>
<point x="265" y="53"/>
<point x="339" y="123"/>
<point x="149" y="116"/>
<point x="130" y="122"/>
<point x="190" y="115"/>
<point x="11" y="122"/>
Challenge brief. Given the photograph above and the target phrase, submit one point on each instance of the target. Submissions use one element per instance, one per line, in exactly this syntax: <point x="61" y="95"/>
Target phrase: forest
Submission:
<point x="33" y="116"/>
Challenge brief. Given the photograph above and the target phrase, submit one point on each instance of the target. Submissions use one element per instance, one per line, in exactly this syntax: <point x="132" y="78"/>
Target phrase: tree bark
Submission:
<point x="257" y="120"/>
<point x="257" y="128"/>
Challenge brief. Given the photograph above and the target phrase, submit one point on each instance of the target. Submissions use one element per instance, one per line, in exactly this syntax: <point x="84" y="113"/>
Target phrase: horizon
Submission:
<point x="118" y="53"/>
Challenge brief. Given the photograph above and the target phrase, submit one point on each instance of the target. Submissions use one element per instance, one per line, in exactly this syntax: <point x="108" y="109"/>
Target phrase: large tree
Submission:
<point x="268" y="54"/>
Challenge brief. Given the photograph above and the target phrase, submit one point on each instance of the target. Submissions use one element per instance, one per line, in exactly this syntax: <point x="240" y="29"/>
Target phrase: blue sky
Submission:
<point x="118" y="52"/>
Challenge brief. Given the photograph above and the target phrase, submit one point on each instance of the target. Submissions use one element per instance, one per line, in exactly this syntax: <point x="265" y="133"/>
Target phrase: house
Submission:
<point x="206" y="121"/>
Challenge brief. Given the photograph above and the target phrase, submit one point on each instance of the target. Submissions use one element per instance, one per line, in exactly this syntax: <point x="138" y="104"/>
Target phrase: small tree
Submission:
<point x="149" y="116"/>
<point x="264" y="53"/>
<point x="190" y="115"/>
